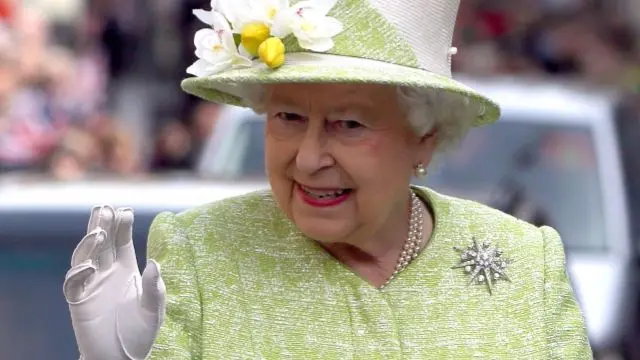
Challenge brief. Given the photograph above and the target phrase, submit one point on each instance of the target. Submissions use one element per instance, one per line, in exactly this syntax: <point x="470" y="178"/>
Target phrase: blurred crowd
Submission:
<point x="590" y="40"/>
<point x="52" y="114"/>
<point x="64" y="70"/>
<point x="59" y="76"/>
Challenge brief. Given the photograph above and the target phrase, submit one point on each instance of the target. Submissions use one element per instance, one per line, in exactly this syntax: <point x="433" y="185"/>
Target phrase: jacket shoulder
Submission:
<point x="255" y="204"/>
<point x="476" y="215"/>
<point x="230" y="219"/>
<point x="462" y="221"/>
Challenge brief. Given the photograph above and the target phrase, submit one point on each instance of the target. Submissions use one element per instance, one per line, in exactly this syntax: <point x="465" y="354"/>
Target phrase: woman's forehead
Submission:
<point x="330" y="94"/>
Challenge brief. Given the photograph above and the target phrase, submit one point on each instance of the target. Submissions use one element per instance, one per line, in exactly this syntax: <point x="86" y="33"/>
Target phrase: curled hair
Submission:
<point x="451" y="115"/>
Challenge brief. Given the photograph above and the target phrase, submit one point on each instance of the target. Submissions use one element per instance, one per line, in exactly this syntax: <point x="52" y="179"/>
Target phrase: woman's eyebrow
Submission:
<point x="285" y="104"/>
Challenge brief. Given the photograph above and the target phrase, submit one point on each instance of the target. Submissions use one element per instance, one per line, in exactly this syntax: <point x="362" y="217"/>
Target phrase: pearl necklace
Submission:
<point x="413" y="244"/>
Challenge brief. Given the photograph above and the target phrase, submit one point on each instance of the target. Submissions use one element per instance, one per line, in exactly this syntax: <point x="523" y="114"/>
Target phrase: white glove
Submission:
<point x="116" y="313"/>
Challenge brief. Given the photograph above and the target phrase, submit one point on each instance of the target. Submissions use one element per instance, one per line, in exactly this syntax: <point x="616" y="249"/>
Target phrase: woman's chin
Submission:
<point x="326" y="231"/>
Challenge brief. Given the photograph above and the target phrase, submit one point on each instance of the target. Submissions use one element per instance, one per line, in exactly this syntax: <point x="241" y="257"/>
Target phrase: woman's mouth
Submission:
<point x="323" y="197"/>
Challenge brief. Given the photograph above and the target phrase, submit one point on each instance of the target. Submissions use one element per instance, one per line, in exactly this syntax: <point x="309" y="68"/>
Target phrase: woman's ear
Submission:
<point x="426" y="147"/>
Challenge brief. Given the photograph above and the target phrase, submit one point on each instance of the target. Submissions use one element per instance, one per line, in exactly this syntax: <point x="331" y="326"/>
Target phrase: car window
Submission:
<point x="543" y="174"/>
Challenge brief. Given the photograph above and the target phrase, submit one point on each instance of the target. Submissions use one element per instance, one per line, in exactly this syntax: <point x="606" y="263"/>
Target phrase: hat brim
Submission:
<point x="227" y="87"/>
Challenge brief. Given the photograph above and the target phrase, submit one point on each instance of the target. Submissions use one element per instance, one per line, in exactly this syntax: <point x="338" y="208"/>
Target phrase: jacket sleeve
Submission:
<point x="565" y="327"/>
<point x="180" y="334"/>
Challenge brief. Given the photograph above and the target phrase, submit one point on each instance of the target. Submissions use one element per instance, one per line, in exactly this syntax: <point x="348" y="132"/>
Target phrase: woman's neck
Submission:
<point x="375" y="260"/>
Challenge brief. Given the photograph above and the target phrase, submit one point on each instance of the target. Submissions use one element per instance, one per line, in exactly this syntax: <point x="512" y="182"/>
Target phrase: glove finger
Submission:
<point x="74" y="287"/>
<point x="124" y="230"/>
<point x="153" y="290"/>
<point x="125" y="251"/>
<point x="106" y="249"/>
<point x="87" y="247"/>
<point x="96" y="217"/>
<point x="93" y="218"/>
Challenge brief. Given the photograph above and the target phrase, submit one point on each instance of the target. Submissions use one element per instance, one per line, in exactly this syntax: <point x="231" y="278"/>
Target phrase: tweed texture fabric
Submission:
<point x="244" y="283"/>
<point x="399" y="43"/>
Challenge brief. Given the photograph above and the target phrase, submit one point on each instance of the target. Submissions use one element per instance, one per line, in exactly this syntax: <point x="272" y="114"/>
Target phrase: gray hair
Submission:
<point x="450" y="114"/>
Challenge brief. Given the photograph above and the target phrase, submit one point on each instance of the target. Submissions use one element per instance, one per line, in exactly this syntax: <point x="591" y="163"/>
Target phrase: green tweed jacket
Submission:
<point x="244" y="283"/>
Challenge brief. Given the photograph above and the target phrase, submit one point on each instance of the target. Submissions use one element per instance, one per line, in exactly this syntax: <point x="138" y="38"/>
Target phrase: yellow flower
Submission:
<point x="253" y="35"/>
<point x="271" y="52"/>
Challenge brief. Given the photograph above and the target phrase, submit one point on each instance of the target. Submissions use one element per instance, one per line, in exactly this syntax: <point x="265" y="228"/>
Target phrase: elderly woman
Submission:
<point x="341" y="258"/>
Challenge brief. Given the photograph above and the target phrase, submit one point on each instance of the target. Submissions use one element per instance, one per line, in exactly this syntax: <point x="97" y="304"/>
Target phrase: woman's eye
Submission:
<point x="352" y="124"/>
<point x="289" y="116"/>
<point x="347" y="124"/>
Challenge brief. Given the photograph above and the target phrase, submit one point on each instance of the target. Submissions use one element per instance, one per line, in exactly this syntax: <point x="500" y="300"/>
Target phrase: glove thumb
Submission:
<point x="153" y="290"/>
<point x="138" y="321"/>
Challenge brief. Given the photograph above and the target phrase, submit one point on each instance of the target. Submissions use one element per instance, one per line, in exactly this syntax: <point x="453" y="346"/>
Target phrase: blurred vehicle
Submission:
<point x="556" y="158"/>
<point x="236" y="148"/>
<point x="41" y="222"/>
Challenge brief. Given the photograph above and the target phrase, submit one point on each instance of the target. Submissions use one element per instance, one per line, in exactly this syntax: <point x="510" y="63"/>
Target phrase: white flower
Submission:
<point x="309" y="23"/>
<point x="267" y="10"/>
<point x="207" y="16"/>
<point x="257" y="22"/>
<point x="216" y="52"/>
<point x="241" y="13"/>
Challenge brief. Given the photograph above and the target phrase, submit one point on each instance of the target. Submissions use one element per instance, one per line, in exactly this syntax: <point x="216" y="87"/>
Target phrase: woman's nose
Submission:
<point x="312" y="153"/>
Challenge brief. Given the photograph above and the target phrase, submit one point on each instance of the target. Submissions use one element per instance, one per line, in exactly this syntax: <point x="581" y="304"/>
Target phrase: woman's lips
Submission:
<point x="323" y="197"/>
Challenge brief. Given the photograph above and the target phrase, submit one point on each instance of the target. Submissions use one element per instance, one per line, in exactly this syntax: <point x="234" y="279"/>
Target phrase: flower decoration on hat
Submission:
<point x="245" y="30"/>
<point x="216" y="49"/>
<point x="309" y="23"/>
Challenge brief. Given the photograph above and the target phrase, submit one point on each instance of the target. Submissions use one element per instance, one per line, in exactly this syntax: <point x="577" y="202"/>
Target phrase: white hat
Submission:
<point x="394" y="42"/>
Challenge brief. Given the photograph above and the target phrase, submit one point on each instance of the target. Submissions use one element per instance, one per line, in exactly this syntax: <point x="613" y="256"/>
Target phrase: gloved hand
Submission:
<point x="115" y="312"/>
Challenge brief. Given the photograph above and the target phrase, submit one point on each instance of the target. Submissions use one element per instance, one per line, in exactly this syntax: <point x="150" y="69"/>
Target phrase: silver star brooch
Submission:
<point x="484" y="263"/>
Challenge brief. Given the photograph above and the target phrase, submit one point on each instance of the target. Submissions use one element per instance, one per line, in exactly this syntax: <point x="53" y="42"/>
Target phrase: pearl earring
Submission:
<point x="420" y="171"/>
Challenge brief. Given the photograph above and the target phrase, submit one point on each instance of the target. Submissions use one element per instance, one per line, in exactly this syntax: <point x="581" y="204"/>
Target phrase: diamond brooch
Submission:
<point x="483" y="263"/>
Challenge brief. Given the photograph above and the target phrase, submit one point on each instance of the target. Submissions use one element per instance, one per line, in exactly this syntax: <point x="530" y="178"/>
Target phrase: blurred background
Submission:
<point x="91" y="112"/>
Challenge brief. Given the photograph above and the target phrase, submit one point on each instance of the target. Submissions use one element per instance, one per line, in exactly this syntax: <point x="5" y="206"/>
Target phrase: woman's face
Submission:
<point x="340" y="158"/>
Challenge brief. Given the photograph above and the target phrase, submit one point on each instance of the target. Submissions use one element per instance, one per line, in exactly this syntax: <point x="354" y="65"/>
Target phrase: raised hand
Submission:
<point x="115" y="311"/>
